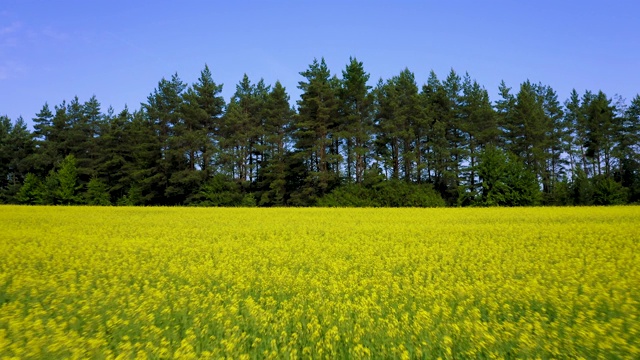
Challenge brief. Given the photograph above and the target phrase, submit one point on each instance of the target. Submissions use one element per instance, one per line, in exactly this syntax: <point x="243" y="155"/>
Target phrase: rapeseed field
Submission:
<point x="159" y="283"/>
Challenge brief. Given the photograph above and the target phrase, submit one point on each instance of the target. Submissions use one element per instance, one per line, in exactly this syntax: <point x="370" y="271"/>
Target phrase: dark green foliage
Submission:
<point x="444" y="137"/>
<point x="629" y="177"/>
<point x="50" y="189"/>
<point x="97" y="193"/>
<point x="356" y="126"/>
<point x="278" y="122"/>
<point x="607" y="191"/>
<point x="401" y="127"/>
<point x="203" y="109"/>
<point x="31" y="192"/>
<point x="560" y="194"/>
<point x="392" y="193"/>
<point x="16" y="146"/>
<point x="316" y="131"/>
<point x="220" y="190"/>
<point x="351" y="195"/>
<point x="480" y="129"/>
<point x="133" y="197"/>
<point x="401" y="143"/>
<point x="581" y="188"/>
<point x="67" y="177"/>
<point x="505" y="180"/>
<point x="115" y="160"/>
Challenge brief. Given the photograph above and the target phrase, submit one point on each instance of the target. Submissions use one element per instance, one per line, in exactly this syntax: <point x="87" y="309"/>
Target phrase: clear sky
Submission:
<point x="118" y="50"/>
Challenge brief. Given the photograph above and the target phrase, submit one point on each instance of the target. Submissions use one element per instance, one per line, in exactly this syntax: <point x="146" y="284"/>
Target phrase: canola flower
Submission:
<point x="160" y="283"/>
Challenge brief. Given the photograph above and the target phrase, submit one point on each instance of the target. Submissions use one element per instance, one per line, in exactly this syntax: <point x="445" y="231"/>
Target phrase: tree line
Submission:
<point x="346" y="143"/>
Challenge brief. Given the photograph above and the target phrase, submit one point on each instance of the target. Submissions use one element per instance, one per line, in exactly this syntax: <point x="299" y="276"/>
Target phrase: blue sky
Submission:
<point x="118" y="50"/>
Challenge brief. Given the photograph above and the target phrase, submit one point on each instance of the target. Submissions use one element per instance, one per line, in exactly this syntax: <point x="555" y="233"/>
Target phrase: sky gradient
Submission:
<point x="119" y="50"/>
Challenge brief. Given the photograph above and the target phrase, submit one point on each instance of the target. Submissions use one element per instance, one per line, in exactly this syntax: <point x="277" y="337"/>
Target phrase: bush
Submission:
<point x="390" y="193"/>
<point x="607" y="191"/>
<point x="221" y="191"/>
<point x="505" y="180"/>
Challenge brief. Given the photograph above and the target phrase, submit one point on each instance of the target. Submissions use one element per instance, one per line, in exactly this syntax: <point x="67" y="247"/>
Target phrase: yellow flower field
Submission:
<point x="158" y="283"/>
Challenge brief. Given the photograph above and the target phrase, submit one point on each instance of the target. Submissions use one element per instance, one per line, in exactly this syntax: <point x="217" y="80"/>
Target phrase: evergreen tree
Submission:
<point x="440" y="158"/>
<point x="315" y="128"/>
<point x="50" y="189"/>
<point x="581" y="188"/>
<point x="357" y="125"/>
<point x="82" y="122"/>
<point x="400" y="127"/>
<point x="628" y="150"/>
<point x="480" y="129"/>
<point x="387" y="136"/>
<point x="67" y="177"/>
<point x="278" y="117"/>
<point x="457" y="141"/>
<point x="204" y="107"/>
<point x="115" y="158"/>
<point x="147" y="176"/>
<point x="596" y="131"/>
<point x="504" y="108"/>
<point x="409" y="117"/>
<point x="31" y="192"/>
<point x="558" y="140"/>
<point x="243" y="131"/>
<point x="42" y="160"/>
<point x="6" y="156"/>
<point x="163" y="111"/>
<point x="21" y="147"/>
<point x="572" y="119"/>
<point x="97" y="193"/>
<point x="16" y="147"/>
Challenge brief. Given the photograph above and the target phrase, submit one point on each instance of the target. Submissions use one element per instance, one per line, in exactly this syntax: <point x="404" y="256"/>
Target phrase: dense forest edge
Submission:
<point x="345" y="144"/>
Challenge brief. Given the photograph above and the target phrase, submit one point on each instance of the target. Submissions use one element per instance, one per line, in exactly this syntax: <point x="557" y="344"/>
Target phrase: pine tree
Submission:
<point x="204" y="107"/>
<point x="164" y="112"/>
<point x="147" y="173"/>
<point x="115" y="158"/>
<point x="5" y="155"/>
<point x="556" y="141"/>
<point x="408" y="116"/>
<point x="598" y="132"/>
<point x="387" y="137"/>
<point x="629" y="149"/>
<point x="16" y="149"/>
<point x="440" y="155"/>
<point x="357" y="124"/>
<point x="572" y="119"/>
<point x="42" y="160"/>
<point x="278" y="117"/>
<point x="243" y="135"/>
<point x="455" y="135"/>
<point x="479" y="126"/>
<point x="314" y="133"/>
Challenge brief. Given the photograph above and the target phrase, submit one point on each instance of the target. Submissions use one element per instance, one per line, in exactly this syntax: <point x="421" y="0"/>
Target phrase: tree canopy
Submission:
<point x="345" y="142"/>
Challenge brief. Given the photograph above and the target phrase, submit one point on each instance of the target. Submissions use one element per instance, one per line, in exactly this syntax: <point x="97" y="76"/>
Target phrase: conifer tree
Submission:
<point x="67" y="176"/>
<point x="278" y="117"/>
<point x="97" y="193"/>
<point x="315" y="130"/>
<point x="357" y="123"/>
